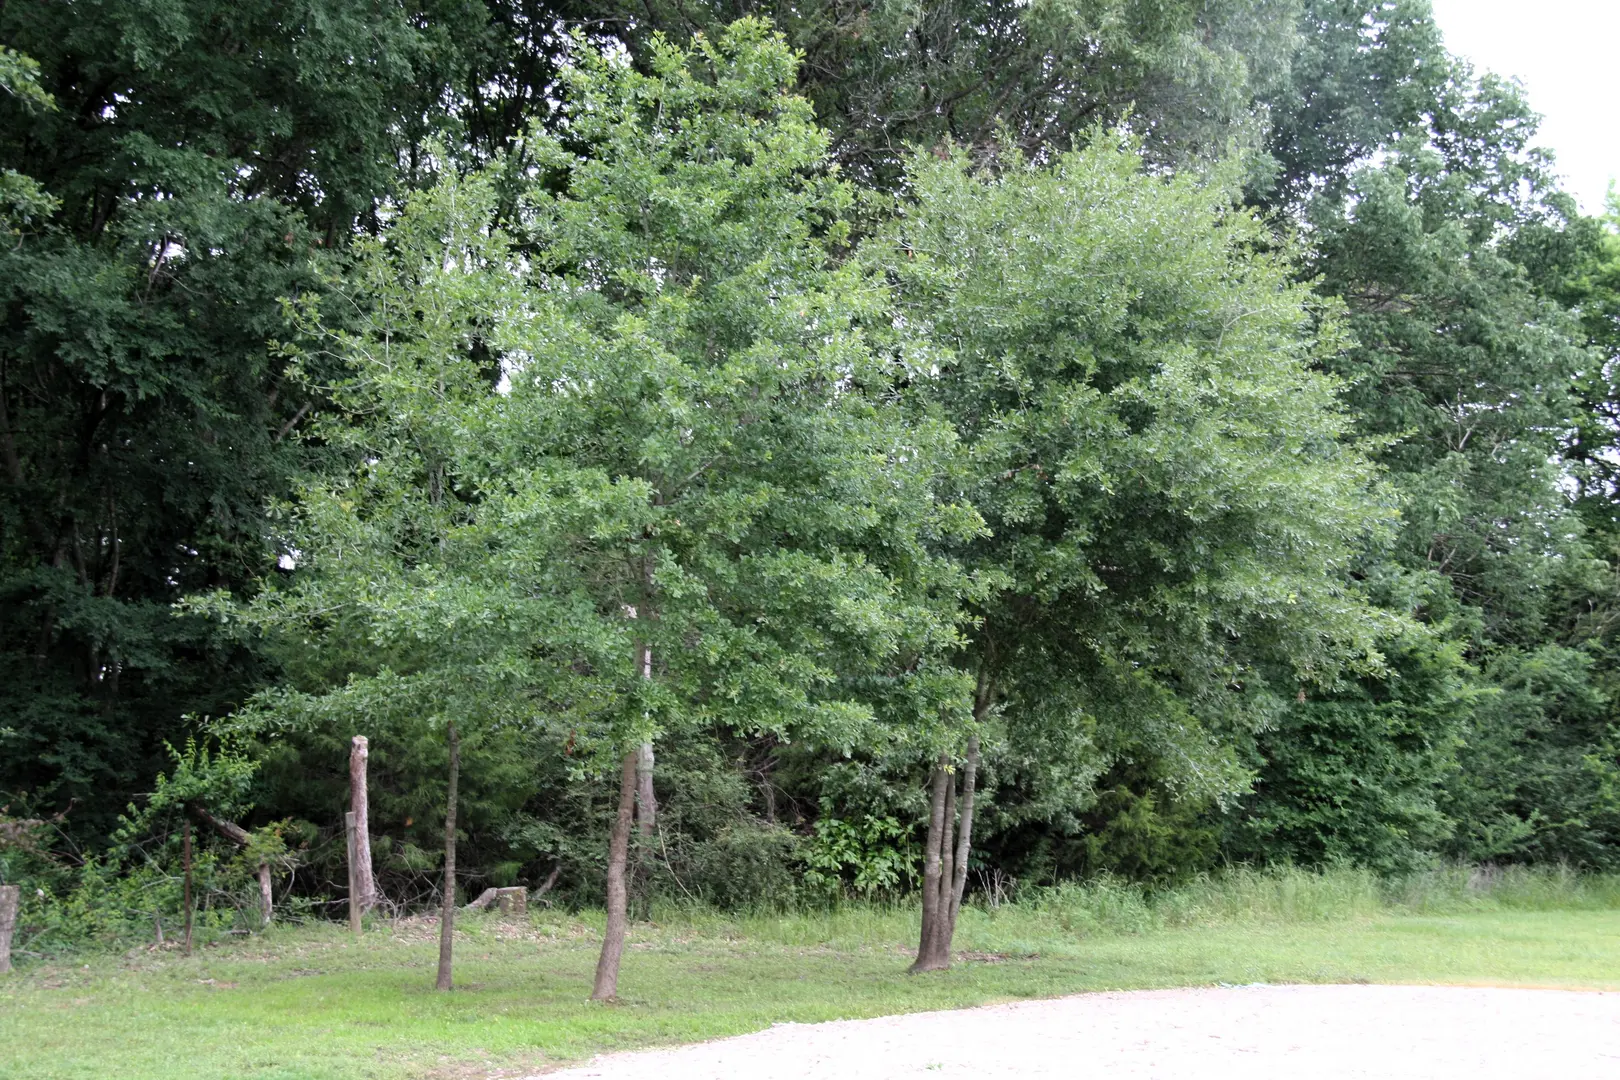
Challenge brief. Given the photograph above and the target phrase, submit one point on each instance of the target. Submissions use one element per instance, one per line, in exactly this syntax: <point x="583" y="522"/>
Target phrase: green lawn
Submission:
<point x="312" y="1003"/>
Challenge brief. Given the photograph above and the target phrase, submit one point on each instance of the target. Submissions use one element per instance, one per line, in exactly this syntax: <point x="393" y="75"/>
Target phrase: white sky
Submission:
<point x="1562" y="51"/>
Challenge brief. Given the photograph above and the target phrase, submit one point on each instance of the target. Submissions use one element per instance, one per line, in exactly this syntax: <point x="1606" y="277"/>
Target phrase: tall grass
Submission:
<point x="1038" y="917"/>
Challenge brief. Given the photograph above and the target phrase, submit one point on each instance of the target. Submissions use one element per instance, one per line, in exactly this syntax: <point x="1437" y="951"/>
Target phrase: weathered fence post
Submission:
<point x="364" y="882"/>
<point x="10" y="899"/>
<point x="354" y="875"/>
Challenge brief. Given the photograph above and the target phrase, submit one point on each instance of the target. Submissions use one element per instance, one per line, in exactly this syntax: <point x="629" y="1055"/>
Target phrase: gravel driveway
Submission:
<point x="1254" y="1032"/>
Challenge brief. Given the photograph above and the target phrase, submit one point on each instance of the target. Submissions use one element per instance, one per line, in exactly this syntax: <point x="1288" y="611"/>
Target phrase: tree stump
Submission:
<point x="509" y="901"/>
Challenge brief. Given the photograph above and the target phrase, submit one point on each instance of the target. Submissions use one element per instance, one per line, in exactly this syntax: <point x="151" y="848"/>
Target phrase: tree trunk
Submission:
<point x="927" y="947"/>
<point x="485" y="898"/>
<point x="950" y="825"/>
<point x="947" y="876"/>
<point x="185" y="862"/>
<point x="550" y="882"/>
<point x="364" y="881"/>
<point x="447" y="907"/>
<point x="10" y="900"/>
<point x="646" y="823"/>
<point x="354" y="873"/>
<point x="266" y="900"/>
<point x="964" y="835"/>
<point x="646" y="803"/>
<point x="607" y="967"/>
<point x="511" y="900"/>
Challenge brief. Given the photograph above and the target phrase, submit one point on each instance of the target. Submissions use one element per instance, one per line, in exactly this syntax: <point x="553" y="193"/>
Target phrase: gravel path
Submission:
<point x="1253" y="1032"/>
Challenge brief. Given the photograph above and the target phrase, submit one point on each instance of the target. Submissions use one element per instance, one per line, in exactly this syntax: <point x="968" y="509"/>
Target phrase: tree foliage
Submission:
<point x="1200" y="414"/>
<point x="200" y="161"/>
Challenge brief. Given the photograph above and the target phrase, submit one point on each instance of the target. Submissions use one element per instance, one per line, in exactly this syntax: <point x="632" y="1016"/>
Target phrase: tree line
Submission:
<point x="906" y="450"/>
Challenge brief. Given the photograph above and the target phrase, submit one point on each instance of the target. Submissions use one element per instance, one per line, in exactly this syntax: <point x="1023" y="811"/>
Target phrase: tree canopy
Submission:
<point x="904" y="445"/>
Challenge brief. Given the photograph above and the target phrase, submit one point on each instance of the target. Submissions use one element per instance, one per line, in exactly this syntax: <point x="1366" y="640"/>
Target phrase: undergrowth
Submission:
<point x="1278" y="895"/>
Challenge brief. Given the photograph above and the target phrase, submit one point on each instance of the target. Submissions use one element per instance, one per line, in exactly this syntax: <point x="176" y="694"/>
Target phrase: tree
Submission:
<point x="1173" y="496"/>
<point x="1365" y="73"/>
<point x="628" y="469"/>
<point x="22" y="200"/>
<point x="885" y="76"/>
<point x="1448" y="255"/>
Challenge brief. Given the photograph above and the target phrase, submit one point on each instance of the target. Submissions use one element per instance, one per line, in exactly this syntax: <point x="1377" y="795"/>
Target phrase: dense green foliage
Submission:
<point x="1210" y="407"/>
<point x="200" y="160"/>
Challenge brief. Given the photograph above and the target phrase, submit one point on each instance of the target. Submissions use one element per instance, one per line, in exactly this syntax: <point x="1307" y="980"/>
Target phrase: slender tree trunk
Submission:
<point x="365" y="882"/>
<point x="646" y="802"/>
<point x="964" y="835"/>
<point x="10" y="901"/>
<point x="354" y="873"/>
<point x="646" y="823"/>
<point x="607" y="967"/>
<point x="185" y="863"/>
<point x="947" y="876"/>
<point x="266" y="895"/>
<point x="447" y="907"/>
<point x="927" y="953"/>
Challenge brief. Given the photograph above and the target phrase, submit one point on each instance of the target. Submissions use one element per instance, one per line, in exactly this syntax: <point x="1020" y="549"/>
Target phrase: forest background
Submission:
<point x="1200" y="416"/>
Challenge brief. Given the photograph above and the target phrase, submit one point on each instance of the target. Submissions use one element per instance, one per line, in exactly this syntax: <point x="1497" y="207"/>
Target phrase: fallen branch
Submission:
<point x="237" y="835"/>
<point x="485" y="898"/>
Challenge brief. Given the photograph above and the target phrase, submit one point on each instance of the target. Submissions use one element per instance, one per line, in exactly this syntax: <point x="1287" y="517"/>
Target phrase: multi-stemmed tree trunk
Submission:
<point x="607" y="965"/>
<point x="447" y="909"/>
<point x="945" y="862"/>
<point x="365" y="883"/>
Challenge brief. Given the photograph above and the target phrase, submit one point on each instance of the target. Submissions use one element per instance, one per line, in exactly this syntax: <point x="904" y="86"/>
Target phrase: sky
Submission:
<point x="1562" y="51"/>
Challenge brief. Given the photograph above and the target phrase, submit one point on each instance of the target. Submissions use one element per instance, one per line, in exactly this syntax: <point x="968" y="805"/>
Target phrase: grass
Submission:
<point x="310" y="1003"/>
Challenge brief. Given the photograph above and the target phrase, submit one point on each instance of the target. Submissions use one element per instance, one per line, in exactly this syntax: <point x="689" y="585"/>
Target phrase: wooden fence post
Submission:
<point x="10" y="899"/>
<point x="354" y="875"/>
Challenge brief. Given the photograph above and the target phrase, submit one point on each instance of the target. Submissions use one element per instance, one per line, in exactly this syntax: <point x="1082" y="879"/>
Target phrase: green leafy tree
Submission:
<point x="629" y="469"/>
<point x="1365" y="73"/>
<point x="885" y="76"/>
<point x="1446" y="255"/>
<point x="1173" y="497"/>
<point x="22" y="200"/>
